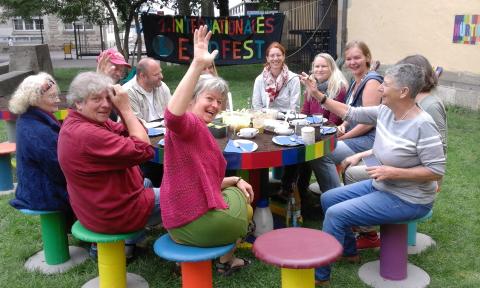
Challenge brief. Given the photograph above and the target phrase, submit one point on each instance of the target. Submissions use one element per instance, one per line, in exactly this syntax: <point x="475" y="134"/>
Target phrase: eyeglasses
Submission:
<point x="47" y="86"/>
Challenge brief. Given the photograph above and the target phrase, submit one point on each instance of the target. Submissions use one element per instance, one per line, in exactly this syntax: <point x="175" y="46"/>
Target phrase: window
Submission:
<point x="80" y="26"/>
<point x="20" y="24"/>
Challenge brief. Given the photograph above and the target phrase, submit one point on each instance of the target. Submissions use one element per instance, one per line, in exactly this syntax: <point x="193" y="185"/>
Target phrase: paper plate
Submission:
<point x="287" y="140"/>
<point x="328" y="130"/>
<point x="154" y="124"/>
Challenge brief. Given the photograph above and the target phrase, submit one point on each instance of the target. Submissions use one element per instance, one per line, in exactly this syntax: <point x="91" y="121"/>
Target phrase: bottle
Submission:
<point x="262" y="217"/>
<point x="294" y="213"/>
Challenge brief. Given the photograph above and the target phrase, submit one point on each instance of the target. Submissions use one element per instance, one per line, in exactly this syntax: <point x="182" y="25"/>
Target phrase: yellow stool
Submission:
<point x="112" y="268"/>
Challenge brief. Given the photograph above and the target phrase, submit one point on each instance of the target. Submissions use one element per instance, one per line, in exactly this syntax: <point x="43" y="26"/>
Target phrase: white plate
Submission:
<point x="299" y="122"/>
<point x="291" y="115"/>
<point x="286" y="141"/>
<point x="154" y="124"/>
<point x="245" y="146"/>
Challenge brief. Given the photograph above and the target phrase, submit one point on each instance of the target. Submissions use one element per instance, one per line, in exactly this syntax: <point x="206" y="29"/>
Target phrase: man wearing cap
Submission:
<point x="112" y="63"/>
<point x="148" y="94"/>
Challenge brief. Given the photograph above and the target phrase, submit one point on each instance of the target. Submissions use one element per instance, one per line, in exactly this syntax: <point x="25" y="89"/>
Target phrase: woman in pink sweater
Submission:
<point x="200" y="206"/>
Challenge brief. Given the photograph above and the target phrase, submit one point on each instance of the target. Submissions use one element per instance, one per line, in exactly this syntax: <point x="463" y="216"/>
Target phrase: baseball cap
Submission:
<point x="115" y="57"/>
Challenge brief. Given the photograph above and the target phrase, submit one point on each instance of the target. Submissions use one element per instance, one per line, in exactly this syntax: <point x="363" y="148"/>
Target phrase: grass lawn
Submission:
<point x="455" y="225"/>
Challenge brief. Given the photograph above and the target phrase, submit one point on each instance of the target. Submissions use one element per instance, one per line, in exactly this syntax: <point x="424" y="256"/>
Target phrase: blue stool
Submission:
<point x="419" y="242"/>
<point x="56" y="256"/>
<point x="195" y="261"/>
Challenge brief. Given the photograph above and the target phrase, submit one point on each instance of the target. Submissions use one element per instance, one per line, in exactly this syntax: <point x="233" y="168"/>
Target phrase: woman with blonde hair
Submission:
<point x="330" y="82"/>
<point x="41" y="184"/>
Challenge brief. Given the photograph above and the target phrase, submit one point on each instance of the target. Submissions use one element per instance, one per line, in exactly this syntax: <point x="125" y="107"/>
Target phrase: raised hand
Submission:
<point x="201" y="37"/>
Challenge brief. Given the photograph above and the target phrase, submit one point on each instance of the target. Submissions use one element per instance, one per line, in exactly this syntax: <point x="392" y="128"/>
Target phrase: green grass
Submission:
<point x="455" y="225"/>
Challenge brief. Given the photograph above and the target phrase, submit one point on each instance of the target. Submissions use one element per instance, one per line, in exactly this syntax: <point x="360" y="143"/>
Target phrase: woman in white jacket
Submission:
<point x="276" y="87"/>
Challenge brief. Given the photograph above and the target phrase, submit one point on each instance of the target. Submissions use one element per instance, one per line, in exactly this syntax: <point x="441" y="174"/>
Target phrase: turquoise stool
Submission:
<point x="112" y="264"/>
<point x="195" y="261"/>
<point x="56" y="256"/>
<point x="393" y="269"/>
<point x="419" y="242"/>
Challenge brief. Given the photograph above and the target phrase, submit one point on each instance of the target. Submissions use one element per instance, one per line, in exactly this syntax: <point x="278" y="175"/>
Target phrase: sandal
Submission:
<point x="226" y="269"/>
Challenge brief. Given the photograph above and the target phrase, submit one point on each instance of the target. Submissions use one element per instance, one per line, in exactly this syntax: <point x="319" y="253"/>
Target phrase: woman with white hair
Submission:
<point x="200" y="206"/>
<point x="409" y="155"/>
<point x="41" y="184"/>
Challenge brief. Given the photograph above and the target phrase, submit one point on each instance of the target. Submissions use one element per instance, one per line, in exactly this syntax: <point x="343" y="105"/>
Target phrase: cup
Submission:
<point x="283" y="130"/>
<point x="258" y="122"/>
<point x="247" y="132"/>
<point x="308" y="135"/>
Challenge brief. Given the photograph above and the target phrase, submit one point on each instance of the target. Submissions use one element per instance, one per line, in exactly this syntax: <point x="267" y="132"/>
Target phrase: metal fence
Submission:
<point x="310" y="28"/>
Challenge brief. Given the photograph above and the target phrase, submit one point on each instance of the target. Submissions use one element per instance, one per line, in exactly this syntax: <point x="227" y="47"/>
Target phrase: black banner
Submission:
<point x="239" y="40"/>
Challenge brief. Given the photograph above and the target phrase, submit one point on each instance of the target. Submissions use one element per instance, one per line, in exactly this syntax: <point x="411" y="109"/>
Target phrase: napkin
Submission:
<point x="286" y="141"/>
<point x="328" y="130"/>
<point x="248" y="146"/>
<point x="152" y="132"/>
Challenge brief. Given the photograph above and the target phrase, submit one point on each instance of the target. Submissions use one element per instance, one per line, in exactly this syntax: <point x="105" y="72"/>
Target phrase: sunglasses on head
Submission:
<point x="47" y="86"/>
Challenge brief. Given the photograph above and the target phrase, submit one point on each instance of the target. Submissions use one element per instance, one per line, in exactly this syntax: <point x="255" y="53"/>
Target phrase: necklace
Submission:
<point x="408" y="111"/>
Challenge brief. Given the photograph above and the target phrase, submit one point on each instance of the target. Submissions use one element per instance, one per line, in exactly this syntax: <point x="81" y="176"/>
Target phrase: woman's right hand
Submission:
<point x="201" y="56"/>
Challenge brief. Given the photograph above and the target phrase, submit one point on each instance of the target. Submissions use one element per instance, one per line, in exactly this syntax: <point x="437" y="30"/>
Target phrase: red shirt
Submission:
<point x="312" y="106"/>
<point x="193" y="171"/>
<point x="104" y="181"/>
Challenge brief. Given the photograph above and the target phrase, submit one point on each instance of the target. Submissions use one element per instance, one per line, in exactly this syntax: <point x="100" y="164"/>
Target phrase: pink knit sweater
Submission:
<point x="194" y="168"/>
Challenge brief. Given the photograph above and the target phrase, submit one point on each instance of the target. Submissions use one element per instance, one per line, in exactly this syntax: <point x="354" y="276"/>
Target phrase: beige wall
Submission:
<point x="394" y="29"/>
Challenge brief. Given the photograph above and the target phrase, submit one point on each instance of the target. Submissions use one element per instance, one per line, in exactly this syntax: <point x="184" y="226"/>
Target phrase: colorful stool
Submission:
<point x="56" y="256"/>
<point x="6" y="178"/>
<point x="393" y="269"/>
<point x="112" y="267"/>
<point x="297" y="251"/>
<point x="419" y="242"/>
<point x="195" y="261"/>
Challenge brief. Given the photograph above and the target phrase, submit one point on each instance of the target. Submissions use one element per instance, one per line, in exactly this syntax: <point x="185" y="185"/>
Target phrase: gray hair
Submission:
<point x="208" y="82"/>
<point x="86" y="84"/>
<point x="407" y="75"/>
<point x="29" y="92"/>
<point x="144" y="65"/>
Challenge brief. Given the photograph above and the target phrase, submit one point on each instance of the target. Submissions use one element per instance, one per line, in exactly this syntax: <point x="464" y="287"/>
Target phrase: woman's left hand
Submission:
<point x="380" y="173"/>
<point x="246" y="189"/>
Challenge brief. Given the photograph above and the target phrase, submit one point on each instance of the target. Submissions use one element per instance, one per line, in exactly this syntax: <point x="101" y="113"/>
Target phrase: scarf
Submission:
<point x="274" y="86"/>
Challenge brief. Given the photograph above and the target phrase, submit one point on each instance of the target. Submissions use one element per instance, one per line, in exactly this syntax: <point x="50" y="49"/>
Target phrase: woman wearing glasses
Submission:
<point x="41" y="184"/>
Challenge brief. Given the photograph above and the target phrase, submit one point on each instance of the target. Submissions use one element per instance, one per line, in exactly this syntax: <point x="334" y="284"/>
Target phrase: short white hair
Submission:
<point x="29" y="92"/>
<point x="86" y="84"/>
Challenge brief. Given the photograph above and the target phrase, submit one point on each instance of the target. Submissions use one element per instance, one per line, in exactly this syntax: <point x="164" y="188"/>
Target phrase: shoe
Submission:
<point x="226" y="269"/>
<point x="355" y="259"/>
<point x="322" y="283"/>
<point x="368" y="240"/>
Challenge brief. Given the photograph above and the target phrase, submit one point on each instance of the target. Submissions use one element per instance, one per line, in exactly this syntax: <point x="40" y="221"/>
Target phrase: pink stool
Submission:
<point x="297" y="251"/>
<point x="393" y="269"/>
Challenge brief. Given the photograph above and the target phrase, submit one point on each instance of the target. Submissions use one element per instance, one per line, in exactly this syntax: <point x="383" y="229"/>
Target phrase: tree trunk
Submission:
<point x="184" y="8"/>
<point x="207" y="8"/>
<point x="223" y="7"/>
<point x="139" y="42"/>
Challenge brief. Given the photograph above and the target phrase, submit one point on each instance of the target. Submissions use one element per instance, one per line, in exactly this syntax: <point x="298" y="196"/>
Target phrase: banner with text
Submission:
<point x="239" y="40"/>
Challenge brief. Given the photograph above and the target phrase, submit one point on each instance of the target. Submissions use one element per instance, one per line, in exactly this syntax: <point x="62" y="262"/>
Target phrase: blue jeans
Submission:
<point x="325" y="167"/>
<point x="360" y="204"/>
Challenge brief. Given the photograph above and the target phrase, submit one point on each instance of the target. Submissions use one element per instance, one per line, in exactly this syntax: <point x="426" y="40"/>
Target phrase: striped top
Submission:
<point x="404" y="144"/>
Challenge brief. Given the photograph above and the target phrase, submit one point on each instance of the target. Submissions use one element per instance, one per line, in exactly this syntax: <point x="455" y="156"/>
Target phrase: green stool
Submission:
<point x="112" y="266"/>
<point x="56" y="256"/>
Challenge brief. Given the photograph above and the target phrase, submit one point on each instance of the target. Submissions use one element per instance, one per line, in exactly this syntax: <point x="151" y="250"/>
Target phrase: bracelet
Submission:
<point x="238" y="180"/>
<point x="323" y="99"/>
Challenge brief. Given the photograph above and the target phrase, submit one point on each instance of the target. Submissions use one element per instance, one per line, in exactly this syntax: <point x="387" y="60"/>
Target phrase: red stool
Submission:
<point x="297" y="251"/>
